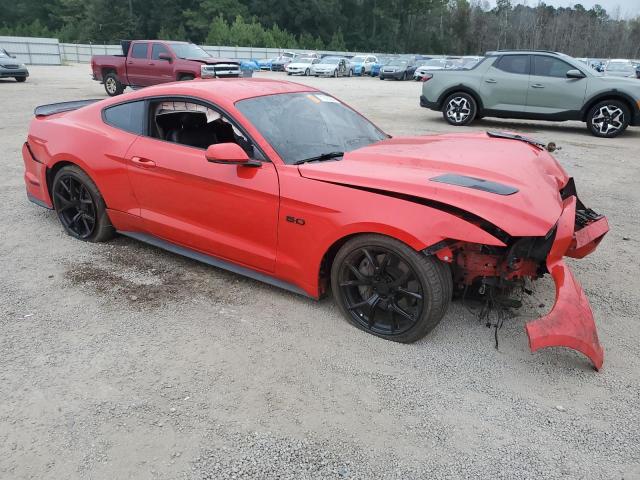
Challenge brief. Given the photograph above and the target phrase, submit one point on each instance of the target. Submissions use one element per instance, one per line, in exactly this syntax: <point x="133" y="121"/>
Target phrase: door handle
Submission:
<point x="537" y="85"/>
<point x="143" y="162"/>
<point x="491" y="80"/>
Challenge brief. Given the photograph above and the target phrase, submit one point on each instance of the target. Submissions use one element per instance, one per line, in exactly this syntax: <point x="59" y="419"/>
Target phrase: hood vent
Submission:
<point x="475" y="183"/>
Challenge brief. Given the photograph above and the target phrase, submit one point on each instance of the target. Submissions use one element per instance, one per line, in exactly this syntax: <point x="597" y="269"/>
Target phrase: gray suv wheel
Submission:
<point x="459" y="109"/>
<point x="608" y="118"/>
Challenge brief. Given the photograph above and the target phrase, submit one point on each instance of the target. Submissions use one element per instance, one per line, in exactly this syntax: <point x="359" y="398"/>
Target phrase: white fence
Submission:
<point x="32" y="50"/>
<point x="49" y="51"/>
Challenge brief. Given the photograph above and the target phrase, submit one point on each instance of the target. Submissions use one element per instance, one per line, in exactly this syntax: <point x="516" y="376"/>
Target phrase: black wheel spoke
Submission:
<point x="355" y="283"/>
<point x="372" y="260"/>
<point x="394" y="307"/>
<point x="372" y="311"/>
<point x="75" y="206"/>
<point x="384" y="263"/>
<point x="409" y="293"/>
<point x="356" y="272"/>
<point x="64" y="204"/>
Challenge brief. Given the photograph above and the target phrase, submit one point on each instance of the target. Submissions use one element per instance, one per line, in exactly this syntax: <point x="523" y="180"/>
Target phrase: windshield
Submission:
<point x="188" y="50"/>
<point x="330" y="60"/>
<point x="305" y="125"/>
<point x="357" y="59"/>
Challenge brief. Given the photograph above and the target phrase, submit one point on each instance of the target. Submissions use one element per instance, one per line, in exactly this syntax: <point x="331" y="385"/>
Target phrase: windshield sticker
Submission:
<point x="326" y="98"/>
<point x="313" y="98"/>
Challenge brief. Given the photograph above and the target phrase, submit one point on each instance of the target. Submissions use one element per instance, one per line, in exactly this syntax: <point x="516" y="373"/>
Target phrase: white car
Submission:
<point x="332" y="67"/>
<point x="619" y="67"/>
<point x="362" y="64"/>
<point x="301" y="66"/>
<point x="429" y="66"/>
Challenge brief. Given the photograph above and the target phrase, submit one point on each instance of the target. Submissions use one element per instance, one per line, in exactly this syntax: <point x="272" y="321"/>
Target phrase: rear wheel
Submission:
<point x="459" y="109"/>
<point x="608" y="118"/>
<point x="112" y="85"/>
<point x="79" y="205"/>
<point x="386" y="288"/>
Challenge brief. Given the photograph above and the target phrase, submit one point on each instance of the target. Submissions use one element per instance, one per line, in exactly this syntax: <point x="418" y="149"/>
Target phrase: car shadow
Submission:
<point x="560" y="127"/>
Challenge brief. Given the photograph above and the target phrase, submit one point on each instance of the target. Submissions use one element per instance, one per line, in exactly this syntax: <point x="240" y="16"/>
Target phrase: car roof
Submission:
<point x="223" y="90"/>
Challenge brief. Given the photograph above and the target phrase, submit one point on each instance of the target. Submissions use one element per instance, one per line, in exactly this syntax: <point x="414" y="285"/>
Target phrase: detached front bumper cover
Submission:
<point x="570" y="323"/>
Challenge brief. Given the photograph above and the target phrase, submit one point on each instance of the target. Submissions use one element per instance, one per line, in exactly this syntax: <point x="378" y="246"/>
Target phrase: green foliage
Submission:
<point x="422" y="26"/>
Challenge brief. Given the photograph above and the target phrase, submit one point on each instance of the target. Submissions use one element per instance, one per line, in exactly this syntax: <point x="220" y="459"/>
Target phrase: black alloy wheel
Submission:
<point x="80" y="206"/>
<point x="387" y="289"/>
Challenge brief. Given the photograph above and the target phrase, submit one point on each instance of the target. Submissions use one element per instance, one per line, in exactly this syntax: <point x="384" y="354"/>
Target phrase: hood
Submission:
<point x="325" y="65"/>
<point x="406" y="166"/>
<point x="9" y="61"/>
<point x="214" y="60"/>
<point x="299" y="65"/>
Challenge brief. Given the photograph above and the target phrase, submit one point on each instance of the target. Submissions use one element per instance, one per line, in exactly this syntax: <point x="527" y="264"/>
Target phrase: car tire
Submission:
<point x="459" y="109"/>
<point x="404" y="76"/>
<point x="186" y="78"/>
<point x="362" y="72"/>
<point x="21" y="79"/>
<point x="335" y="73"/>
<point x="307" y="72"/>
<point x="608" y="119"/>
<point x="112" y="85"/>
<point x="350" y="72"/>
<point x="79" y="205"/>
<point x="381" y="77"/>
<point x="388" y="289"/>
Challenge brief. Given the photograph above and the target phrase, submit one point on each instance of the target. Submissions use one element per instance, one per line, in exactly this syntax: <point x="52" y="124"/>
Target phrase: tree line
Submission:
<point x="393" y="26"/>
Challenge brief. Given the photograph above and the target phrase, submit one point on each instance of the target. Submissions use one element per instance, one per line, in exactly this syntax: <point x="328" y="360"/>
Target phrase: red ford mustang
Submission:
<point x="286" y="184"/>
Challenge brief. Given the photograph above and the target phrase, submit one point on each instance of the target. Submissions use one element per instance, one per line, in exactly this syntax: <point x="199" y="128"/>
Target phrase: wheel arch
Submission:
<point x="59" y="164"/>
<point x="608" y="95"/>
<point x="461" y="88"/>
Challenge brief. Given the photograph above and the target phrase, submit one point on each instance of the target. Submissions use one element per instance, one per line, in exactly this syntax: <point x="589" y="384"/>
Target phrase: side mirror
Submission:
<point x="230" y="153"/>
<point x="165" y="56"/>
<point x="575" y="74"/>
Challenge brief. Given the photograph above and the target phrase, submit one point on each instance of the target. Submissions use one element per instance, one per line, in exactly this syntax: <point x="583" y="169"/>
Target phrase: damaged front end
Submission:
<point x="495" y="270"/>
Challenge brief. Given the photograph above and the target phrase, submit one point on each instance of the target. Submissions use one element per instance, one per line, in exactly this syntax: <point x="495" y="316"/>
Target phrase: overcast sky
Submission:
<point x="628" y="8"/>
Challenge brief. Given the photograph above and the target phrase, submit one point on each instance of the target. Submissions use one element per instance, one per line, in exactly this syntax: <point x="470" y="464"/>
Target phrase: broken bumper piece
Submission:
<point x="570" y="323"/>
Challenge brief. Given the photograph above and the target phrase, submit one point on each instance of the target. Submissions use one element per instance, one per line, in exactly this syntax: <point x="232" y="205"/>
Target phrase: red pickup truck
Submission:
<point x="149" y="62"/>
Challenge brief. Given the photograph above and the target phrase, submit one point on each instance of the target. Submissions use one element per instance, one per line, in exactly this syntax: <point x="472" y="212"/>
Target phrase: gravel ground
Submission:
<point x="121" y="361"/>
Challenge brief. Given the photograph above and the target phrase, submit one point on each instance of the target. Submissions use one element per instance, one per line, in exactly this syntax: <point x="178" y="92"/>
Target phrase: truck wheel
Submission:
<point x="112" y="85"/>
<point x="459" y="109"/>
<point x="608" y="118"/>
<point x="184" y="78"/>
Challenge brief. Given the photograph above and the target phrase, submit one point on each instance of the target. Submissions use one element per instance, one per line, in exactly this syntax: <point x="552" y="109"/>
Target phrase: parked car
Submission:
<point x="301" y="66"/>
<point x="375" y="68"/>
<point x="10" y="68"/>
<point x="537" y="85"/>
<point x="280" y="63"/>
<point x="286" y="184"/>
<point x="332" y="67"/>
<point x="247" y="67"/>
<point x="619" y="68"/>
<point x="362" y="64"/>
<point x="398" y="69"/>
<point x="266" y="64"/>
<point x="149" y="62"/>
<point x="429" y="66"/>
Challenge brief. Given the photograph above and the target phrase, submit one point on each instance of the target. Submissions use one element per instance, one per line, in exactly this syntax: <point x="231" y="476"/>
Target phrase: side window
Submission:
<point x="513" y="64"/>
<point x="195" y="125"/>
<point x="139" y="50"/>
<point x="157" y="49"/>
<point x="550" y="67"/>
<point x="126" y="116"/>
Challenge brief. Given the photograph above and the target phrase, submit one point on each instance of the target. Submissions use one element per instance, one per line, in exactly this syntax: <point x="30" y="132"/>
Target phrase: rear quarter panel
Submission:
<point x="102" y="63"/>
<point x="82" y="138"/>
<point x="443" y="80"/>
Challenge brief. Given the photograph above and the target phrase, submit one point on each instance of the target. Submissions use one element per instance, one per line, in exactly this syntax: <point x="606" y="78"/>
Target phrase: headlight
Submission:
<point x="22" y="65"/>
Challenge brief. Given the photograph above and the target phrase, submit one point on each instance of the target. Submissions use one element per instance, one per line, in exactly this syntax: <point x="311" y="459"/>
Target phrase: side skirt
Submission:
<point x="214" y="261"/>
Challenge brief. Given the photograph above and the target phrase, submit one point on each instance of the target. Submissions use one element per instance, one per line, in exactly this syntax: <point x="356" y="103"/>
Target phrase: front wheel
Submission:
<point x="386" y="288"/>
<point x="186" y="78"/>
<point x="79" y="205"/>
<point x="608" y="118"/>
<point x="112" y="85"/>
<point x="21" y="79"/>
<point x="459" y="109"/>
<point x="307" y="72"/>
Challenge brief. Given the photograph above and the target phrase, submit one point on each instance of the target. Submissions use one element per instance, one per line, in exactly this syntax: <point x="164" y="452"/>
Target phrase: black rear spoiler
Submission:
<point x="53" y="108"/>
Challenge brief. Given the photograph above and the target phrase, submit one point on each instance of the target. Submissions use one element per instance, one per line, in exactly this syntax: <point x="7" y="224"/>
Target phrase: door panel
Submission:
<point x="504" y="85"/>
<point x="228" y="211"/>
<point x="162" y="70"/>
<point x="550" y="91"/>
<point x="138" y="64"/>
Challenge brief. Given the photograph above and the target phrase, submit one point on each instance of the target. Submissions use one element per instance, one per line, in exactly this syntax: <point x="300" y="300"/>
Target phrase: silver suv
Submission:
<point x="535" y="85"/>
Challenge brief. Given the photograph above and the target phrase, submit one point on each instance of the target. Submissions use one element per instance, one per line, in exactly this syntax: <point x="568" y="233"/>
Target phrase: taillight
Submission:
<point x="427" y="77"/>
